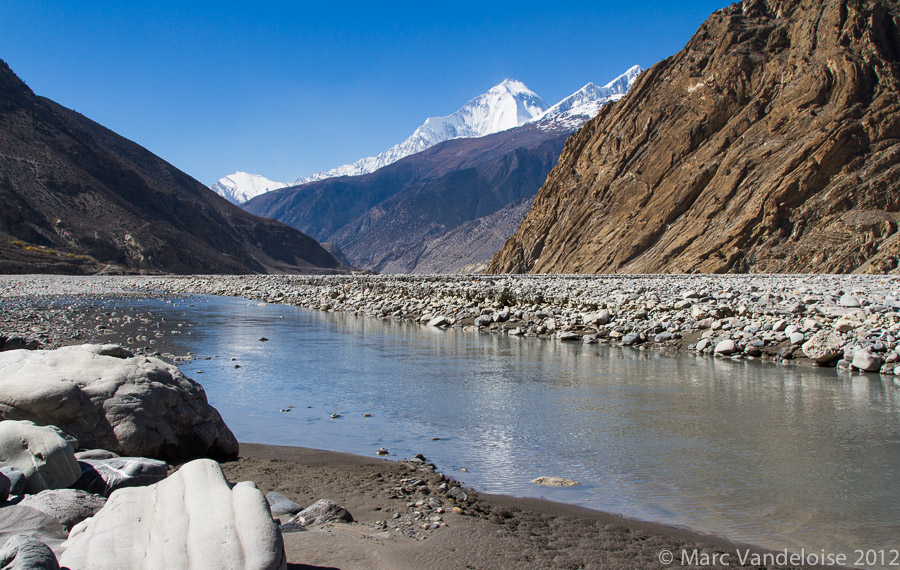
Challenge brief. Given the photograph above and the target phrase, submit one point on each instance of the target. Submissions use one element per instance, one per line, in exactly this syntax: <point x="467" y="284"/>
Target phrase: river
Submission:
<point x="777" y="456"/>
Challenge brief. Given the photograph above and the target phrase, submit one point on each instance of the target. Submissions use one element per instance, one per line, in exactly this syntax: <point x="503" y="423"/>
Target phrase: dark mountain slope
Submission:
<point x="69" y="184"/>
<point x="770" y="143"/>
<point x="383" y="220"/>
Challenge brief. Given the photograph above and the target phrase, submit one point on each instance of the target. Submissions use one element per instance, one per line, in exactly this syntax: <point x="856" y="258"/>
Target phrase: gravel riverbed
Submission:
<point x="850" y="321"/>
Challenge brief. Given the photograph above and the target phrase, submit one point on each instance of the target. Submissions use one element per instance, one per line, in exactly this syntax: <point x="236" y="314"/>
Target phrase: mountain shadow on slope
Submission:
<point x="95" y="199"/>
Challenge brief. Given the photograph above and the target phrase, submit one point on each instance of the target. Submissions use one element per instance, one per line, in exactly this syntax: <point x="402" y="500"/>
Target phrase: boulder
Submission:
<point x="281" y="505"/>
<point x="483" y="320"/>
<point x="68" y="506"/>
<point x="321" y="512"/>
<point x="16" y="519"/>
<point x="631" y="339"/>
<point x="108" y="399"/>
<point x="45" y="459"/>
<point x="103" y="476"/>
<point x="866" y="361"/>
<point x="824" y="346"/>
<point x="568" y="335"/>
<point x="192" y="520"/>
<point x="16" y="479"/>
<point x="439" y="321"/>
<point x="23" y="552"/>
<point x="725" y="347"/>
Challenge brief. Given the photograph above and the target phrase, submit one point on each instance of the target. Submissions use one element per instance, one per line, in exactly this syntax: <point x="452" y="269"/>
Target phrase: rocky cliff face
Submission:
<point x="77" y="198"/>
<point x="770" y="143"/>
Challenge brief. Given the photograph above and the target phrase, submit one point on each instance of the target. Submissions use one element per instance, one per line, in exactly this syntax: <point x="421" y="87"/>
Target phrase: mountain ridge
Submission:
<point x="507" y="105"/>
<point x="406" y="217"/>
<point x="770" y="143"/>
<point x="78" y="197"/>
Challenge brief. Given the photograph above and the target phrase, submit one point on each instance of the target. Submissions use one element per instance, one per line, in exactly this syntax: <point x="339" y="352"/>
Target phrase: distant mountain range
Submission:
<point x="78" y="198"/>
<point x="452" y="205"/>
<point x="505" y="106"/>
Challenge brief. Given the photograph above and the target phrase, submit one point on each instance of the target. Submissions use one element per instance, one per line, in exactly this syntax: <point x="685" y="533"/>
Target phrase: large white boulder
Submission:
<point x="193" y="519"/>
<point x="109" y="399"/>
<point x="40" y="453"/>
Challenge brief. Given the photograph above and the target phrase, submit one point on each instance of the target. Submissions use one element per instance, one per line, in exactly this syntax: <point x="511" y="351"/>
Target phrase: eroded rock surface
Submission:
<point x="45" y="459"/>
<point x="770" y="143"/>
<point x="108" y="399"/>
<point x="193" y="519"/>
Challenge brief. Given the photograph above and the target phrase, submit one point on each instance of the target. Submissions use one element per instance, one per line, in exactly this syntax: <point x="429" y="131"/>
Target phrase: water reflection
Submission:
<point x="781" y="456"/>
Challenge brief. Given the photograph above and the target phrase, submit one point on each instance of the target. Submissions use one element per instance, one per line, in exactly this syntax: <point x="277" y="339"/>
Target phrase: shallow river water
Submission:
<point x="778" y="456"/>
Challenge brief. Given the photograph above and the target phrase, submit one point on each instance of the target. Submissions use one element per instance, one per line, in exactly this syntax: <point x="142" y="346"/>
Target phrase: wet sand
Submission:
<point x="491" y="533"/>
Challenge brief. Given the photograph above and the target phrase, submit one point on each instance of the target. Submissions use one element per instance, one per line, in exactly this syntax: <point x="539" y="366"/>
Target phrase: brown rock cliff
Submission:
<point x="770" y="143"/>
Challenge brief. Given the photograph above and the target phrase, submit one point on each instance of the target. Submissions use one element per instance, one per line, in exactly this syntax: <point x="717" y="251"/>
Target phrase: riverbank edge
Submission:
<point x="540" y="514"/>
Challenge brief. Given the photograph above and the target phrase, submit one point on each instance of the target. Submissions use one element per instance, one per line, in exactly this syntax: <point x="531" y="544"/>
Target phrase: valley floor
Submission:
<point x="484" y="531"/>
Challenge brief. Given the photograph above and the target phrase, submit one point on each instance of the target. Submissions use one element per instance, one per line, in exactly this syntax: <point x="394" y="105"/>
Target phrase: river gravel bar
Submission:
<point x="848" y="321"/>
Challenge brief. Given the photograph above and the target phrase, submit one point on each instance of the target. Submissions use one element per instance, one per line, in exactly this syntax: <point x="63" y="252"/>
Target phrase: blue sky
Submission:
<point x="286" y="89"/>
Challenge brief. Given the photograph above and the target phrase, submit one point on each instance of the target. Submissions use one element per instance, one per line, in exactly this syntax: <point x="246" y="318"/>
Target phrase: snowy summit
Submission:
<point x="505" y="106"/>
<point x="239" y="187"/>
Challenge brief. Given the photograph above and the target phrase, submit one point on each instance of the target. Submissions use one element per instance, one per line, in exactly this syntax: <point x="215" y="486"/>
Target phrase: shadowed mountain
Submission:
<point x="76" y="198"/>
<point x="770" y="143"/>
<point x="383" y="220"/>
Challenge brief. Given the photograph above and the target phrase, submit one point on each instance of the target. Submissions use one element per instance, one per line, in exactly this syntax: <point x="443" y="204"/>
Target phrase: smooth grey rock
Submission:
<point x="68" y="506"/>
<point x="321" y="512"/>
<point x="281" y="505"/>
<point x="135" y="406"/>
<point x="796" y="337"/>
<point x="16" y="478"/>
<point x="16" y="519"/>
<point x="568" y="335"/>
<point x="95" y="454"/>
<point x="103" y="476"/>
<point x="631" y="339"/>
<point x="663" y="337"/>
<point x="849" y="301"/>
<point x="725" y="347"/>
<point x="44" y="458"/>
<point x="193" y="519"/>
<point x="23" y="552"/>
<point x="752" y="350"/>
<point x="824" y="346"/>
<point x="483" y="320"/>
<point x="866" y="361"/>
<point x="702" y="344"/>
<point x="439" y="321"/>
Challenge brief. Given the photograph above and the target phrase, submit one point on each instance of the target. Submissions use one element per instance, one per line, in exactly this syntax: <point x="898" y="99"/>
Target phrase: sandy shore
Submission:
<point x="491" y="531"/>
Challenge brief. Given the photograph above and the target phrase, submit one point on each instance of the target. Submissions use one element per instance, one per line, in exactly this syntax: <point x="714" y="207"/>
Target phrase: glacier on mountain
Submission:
<point x="505" y="106"/>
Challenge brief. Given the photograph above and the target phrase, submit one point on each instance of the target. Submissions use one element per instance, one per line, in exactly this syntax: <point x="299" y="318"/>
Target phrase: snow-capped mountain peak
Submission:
<point x="584" y="104"/>
<point x="239" y="187"/>
<point x="504" y="106"/>
<point x="507" y="105"/>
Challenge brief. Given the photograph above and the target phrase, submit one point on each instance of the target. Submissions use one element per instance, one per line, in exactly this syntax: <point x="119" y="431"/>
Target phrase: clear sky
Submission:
<point x="286" y="89"/>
